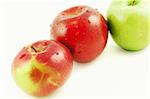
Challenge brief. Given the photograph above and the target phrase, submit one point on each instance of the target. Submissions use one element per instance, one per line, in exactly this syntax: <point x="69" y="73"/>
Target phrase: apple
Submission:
<point x="128" y="22"/>
<point x="42" y="67"/>
<point x="83" y="30"/>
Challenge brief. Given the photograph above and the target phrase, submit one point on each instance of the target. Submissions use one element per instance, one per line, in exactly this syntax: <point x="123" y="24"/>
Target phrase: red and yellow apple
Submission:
<point x="42" y="67"/>
<point x="83" y="30"/>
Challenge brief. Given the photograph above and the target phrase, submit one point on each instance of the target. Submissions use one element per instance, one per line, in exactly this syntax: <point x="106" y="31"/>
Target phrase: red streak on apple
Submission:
<point x="83" y="30"/>
<point x="36" y="75"/>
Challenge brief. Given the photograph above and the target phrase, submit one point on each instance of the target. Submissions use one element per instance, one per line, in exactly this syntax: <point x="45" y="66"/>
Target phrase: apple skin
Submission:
<point x="83" y="30"/>
<point x="42" y="67"/>
<point x="128" y="22"/>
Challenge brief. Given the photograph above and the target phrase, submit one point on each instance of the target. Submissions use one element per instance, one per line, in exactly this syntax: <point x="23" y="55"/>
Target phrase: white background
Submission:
<point x="115" y="74"/>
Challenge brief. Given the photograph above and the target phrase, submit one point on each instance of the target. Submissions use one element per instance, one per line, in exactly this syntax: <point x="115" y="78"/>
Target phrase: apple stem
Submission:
<point x="132" y="2"/>
<point x="34" y="49"/>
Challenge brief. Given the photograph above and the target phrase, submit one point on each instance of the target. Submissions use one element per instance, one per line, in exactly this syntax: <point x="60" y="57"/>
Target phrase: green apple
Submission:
<point x="129" y="23"/>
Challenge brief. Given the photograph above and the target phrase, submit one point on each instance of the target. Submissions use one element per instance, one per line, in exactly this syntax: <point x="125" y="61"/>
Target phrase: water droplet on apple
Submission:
<point x="76" y="26"/>
<point x="74" y="22"/>
<point x="79" y="18"/>
<point x="83" y="33"/>
<point x="77" y="33"/>
<point x="66" y="39"/>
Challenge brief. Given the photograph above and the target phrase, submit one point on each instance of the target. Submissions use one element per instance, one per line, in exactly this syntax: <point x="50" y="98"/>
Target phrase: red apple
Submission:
<point x="83" y="30"/>
<point x="42" y="67"/>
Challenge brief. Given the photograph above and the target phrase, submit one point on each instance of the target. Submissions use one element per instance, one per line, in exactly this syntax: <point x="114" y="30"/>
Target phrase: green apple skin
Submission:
<point x="129" y="23"/>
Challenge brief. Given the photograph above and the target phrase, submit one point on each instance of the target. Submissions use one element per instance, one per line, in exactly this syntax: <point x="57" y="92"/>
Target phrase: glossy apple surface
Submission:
<point x="129" y="23"/>
<point x="83" y="30"/>
<point x="42" y="67"/>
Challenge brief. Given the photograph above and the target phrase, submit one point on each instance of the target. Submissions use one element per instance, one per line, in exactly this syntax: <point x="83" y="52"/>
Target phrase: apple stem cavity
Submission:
<point x="133" y="2"/>
<point x="38" y="49"/>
